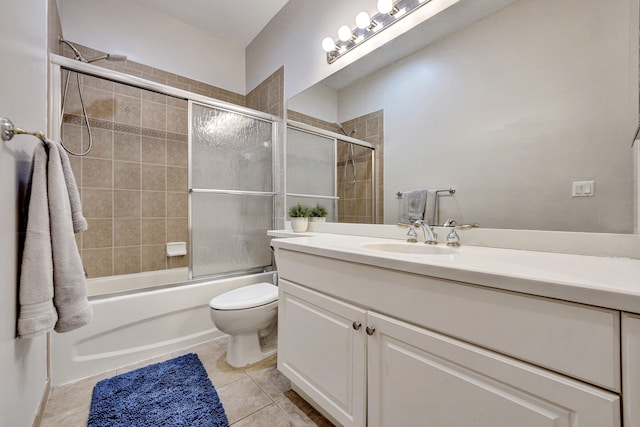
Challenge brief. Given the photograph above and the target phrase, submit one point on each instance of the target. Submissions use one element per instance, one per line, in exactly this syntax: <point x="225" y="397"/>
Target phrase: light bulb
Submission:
<point x="344" y="33"/>
<point x="328" y="45"/>
<point x="363" y="20"/>
<point x="385" y="6"/>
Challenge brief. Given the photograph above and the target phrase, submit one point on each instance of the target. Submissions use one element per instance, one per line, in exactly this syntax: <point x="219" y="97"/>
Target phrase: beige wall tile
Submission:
<point x="102" y="146"/>
<point x="153" y="204"/>
<point x="99" y="104"/>
<point x="177" y="120"/>
<point x="177" y="154"/>
<point x="127" y="260"/>
<point x="94" y="82"/>
<point x="127" y="90"/>
<point x="126" y="175"/>
<point x="154" y="177"/>
<point x="127" y="109"/>
<point x="72" y="137"/>
<point x="177" y="230"/>
<point x="153" y="258"/>
<point x="154" y="115"/>
<point x="126" y="231"/>
<point x="154" y="231"/>
<point x="177" y="179"/>
<point x="126" y="146"/>
<point x="154" y="150"/>
<point x="177" y="205"/>
<point x="98" y="262"/>
<point x="97" y="173"/>
<point x="97" y="203"/>
<point x="99" y="234"/>
<point x="126" y="203"/>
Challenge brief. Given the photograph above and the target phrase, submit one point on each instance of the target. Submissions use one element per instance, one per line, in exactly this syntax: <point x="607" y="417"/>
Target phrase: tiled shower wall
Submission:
<point x="355" y="203"/>
<point x="133" y="182"/>
<point x="268" y="97"/>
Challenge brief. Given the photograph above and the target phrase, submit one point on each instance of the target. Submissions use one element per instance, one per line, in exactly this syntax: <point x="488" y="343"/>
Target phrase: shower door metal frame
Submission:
<point x="57" y="63"/>
<point x="274" y="150"/>
<point x="303" y="127"/>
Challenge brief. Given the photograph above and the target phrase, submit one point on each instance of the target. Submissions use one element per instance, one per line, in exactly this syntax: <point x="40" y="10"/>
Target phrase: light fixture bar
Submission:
<point x="335" y="48"/>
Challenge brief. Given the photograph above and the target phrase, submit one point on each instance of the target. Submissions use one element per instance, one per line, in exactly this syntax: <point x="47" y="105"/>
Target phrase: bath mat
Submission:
<point x="173" y="393"/>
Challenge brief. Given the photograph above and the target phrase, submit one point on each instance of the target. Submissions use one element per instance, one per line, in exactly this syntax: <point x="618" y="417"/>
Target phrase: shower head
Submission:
<point x="108" y="57"/>
<point x="344" y="131"/>
<point x="79" y="57"/>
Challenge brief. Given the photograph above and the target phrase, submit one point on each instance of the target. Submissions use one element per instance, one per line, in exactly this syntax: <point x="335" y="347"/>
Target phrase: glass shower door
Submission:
<point x="231" y="191"/>
<point x="311" y="170"/>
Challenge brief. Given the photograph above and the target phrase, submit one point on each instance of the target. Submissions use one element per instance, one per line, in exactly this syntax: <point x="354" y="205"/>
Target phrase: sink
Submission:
<point x="409" y="248"/>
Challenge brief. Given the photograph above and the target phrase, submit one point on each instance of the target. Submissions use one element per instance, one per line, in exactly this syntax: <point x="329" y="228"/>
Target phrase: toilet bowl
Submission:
<point x="249" y="315"/>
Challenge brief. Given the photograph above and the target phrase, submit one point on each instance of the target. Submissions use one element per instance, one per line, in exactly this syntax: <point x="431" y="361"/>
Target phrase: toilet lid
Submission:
<point x="245" y="297"/>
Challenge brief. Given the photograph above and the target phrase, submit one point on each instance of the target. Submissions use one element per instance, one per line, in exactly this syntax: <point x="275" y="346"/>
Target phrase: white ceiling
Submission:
<point x="238" y="21"/>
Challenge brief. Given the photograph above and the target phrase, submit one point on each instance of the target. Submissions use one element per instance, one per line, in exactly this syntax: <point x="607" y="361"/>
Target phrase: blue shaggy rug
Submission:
<point x="174" y="393"/>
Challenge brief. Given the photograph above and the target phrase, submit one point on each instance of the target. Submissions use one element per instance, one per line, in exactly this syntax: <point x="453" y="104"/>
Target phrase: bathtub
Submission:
<point x="130" y="327"/>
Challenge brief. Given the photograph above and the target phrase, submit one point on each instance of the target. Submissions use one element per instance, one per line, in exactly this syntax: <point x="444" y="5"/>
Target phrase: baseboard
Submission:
<point x="43" y="404"/>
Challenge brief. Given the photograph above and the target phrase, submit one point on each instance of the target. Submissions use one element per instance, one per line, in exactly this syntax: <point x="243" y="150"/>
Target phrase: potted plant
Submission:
<point x="299" y="218"/>
<point x="318" y="214"/>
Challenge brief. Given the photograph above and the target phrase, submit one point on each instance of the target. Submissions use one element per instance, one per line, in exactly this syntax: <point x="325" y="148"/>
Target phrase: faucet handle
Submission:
<point x="412" y="236"/>
<point x="453" y="239"/>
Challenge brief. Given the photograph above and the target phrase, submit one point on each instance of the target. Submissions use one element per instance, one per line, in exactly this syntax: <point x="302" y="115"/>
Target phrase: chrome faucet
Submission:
<point x="453" y="239"/>
<point x="412" y="236"/>
<point x="430" y="238"/>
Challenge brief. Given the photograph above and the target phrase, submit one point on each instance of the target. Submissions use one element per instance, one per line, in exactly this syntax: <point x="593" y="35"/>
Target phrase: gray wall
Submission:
<point x="510" y="111"/>
<point x="23" y="98"/>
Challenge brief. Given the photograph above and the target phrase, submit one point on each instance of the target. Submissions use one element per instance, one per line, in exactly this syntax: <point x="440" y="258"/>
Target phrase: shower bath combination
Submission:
<point x="350" y="157"/>
<point x="81" y="58"/>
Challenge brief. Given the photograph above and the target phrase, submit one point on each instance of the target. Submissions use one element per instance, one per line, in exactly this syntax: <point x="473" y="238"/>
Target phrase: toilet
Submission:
<point x="249" y="315"/>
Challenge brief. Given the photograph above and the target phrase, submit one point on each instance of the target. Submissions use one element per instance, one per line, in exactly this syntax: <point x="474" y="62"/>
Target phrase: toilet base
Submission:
<point x="247" y="349"/>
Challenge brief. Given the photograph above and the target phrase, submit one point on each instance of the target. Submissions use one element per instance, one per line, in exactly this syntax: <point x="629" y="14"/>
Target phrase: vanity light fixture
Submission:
<point x="389" y="12"/>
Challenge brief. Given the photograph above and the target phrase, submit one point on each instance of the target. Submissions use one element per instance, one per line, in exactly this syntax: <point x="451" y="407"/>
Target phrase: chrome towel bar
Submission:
<point x="8" y="130"/>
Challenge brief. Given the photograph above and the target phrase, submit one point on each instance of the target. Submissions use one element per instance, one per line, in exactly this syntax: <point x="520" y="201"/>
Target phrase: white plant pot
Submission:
<point x="317" y="219"/>
<point x="299" y="225"/>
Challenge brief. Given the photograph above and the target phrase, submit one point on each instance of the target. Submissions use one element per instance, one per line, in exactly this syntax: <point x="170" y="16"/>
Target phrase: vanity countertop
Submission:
<point x="594" y="280"/>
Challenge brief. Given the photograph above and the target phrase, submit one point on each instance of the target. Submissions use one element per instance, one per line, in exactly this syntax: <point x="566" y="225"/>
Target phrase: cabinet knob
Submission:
<point x="370" y="330"/>
<point x="356" y="325"/>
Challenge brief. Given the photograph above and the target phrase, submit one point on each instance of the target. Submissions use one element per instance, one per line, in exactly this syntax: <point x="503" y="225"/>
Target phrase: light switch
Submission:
<point x="583" y="189"/>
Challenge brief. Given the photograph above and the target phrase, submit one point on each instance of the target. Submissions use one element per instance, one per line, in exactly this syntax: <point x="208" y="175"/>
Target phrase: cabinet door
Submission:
<point x="322" y="351"/>
<point x="631" y="368"/>
<point x="420" y="378"/>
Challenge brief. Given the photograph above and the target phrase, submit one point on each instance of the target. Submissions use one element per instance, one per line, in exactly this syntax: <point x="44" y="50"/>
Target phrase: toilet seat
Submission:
<point x="245" y="297"/>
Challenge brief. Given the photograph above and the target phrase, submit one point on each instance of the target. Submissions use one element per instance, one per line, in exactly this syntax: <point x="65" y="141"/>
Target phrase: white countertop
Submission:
<point x="598" y="281"/>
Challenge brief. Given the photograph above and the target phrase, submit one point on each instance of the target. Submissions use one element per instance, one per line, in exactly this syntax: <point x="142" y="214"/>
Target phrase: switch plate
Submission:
<point x="583" y="189"/>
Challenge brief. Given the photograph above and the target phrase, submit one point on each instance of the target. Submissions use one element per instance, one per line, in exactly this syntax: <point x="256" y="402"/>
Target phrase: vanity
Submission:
<point x="377" y="332"/>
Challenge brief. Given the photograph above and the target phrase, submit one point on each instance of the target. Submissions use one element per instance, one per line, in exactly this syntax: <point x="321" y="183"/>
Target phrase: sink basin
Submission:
<point x="409" y="248"/>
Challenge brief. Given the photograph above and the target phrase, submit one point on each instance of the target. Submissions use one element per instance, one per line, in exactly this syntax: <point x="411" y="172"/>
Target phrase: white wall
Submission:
<point x="152" y="38"/>
<point x="23" y="99"/>
<point x="293" y="38"/>
<point x="319" y="101"/>
<point x="510" y="111"/>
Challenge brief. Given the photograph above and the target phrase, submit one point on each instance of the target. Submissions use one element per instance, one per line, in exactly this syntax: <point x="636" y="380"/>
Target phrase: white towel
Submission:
<point x="70" y="287"/>
<point x="413" y="204"/>
<point x="79" y="222"/>
<point x="431" y="206"/>
<point x="37" y="313"/>
<point x="52" y="274"/>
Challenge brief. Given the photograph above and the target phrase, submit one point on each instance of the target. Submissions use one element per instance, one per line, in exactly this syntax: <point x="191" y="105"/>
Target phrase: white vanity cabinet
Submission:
<point x="322" y="350"/>
<point x="375" y="347"/>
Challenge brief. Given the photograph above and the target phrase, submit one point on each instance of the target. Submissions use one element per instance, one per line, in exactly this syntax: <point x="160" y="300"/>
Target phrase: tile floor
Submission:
<point x="255" y="396"/>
